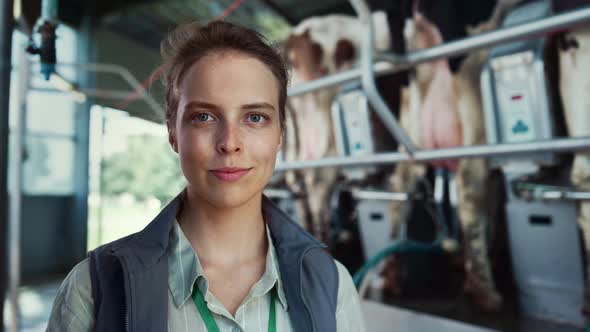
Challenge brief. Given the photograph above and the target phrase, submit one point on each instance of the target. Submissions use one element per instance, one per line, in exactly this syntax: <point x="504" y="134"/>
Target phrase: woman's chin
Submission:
<point x="229" y="198"/>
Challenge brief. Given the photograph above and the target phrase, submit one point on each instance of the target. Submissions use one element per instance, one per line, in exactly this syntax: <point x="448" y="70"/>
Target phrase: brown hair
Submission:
<point x="190" y="42"/>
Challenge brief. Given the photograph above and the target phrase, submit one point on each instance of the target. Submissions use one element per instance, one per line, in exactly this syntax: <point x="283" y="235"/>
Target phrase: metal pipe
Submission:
<point x="346" y="76"/>
<point x="379" y="195"/>
<point x="492" y="150"/>
<point x="538" y="191"/>
<point x="48" y="11"/>
<point x="6" y="28"/>
<point x="106" y="94"/>
<point x="368" y="79"/>
<point x="16" y="174"/>
<point x="566" y="195"/>
<point x="484" y="40"/>
<point x="127" y="76"/>
<point x="500" y="36"/>
<point x="327" y="81"/>
<point x="97" y="93"/>
<point x="278" y="193"/>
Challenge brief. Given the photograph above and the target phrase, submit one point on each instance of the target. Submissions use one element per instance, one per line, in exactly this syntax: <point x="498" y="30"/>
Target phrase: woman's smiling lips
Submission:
<point x="230" y="174"/>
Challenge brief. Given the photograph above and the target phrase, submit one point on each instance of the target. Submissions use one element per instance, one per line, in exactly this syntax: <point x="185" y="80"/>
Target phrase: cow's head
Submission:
<point x="305" y="56"/>
<point x="311" y="60"/>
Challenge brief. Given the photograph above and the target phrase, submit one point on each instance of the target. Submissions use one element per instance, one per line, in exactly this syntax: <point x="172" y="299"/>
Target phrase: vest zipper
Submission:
<point x="126" y="293"/>
<point x="313" y="328"/>
<point x="126" y="310"/>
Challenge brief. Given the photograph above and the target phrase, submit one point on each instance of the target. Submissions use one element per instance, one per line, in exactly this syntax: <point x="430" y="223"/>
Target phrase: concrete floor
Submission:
<point x="384" y="318"/>
<point x="35" y="305"/>
<point x="461" y="309"/>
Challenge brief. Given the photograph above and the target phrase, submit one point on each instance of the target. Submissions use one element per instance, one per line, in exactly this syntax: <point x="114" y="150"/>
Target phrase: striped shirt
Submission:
<point x="73" y="307"/>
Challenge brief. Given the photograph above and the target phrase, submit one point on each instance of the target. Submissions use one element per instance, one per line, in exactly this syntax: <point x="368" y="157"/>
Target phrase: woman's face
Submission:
<point x="227" y="131"/>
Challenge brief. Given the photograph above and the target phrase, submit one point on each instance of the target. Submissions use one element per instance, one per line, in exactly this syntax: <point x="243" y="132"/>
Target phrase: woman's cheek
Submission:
<point x="263" y="147"/>
<point x="194" y="151"/>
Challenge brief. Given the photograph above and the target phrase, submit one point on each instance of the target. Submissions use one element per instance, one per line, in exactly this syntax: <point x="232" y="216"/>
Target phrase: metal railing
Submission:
<point x="368" y="69"/>
<point x="537" y="191"/>
<point x="126" y="75"/>
<point x="404" y="61"/>
<point x="491" y="150"/>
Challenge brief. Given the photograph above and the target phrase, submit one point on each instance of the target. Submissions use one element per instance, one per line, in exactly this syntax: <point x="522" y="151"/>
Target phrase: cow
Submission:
<point x="317" y="47"/>
<point x="443" y="109"/>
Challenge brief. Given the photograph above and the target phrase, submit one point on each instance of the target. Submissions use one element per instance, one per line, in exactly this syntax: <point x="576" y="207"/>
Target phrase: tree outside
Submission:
<point x="148" y="168"/>
<point x="133" y="173"/>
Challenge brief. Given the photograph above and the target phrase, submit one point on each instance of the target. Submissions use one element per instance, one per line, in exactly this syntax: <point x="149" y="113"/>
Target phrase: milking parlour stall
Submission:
<point x="440" y="149"/>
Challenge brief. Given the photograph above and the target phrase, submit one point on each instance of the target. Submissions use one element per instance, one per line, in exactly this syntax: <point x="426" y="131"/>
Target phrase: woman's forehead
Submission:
<point x="229" y="78"/>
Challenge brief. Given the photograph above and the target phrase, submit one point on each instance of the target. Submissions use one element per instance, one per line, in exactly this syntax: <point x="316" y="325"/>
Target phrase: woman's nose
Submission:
<point x="228" y="139"/>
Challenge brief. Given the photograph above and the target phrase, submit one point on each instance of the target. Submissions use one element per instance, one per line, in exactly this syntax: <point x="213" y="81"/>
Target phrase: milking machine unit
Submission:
<point x="544" y="239"/>
<point x="352" y="127"/>
<point x="354" y="136"/>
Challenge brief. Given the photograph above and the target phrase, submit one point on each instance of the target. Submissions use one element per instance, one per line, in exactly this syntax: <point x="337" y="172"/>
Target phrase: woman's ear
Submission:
<point x="172" y="136"/>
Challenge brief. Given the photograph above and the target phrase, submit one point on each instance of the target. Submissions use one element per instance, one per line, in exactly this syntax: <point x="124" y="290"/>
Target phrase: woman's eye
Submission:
<point x="203" y="117"/>
<point x="256" y="118"/>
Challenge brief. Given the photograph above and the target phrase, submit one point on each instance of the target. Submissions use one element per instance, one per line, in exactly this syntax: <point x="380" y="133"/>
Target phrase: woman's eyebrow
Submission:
<point x="196" y="104"/>
<point x="199" y="104"/>
<point x="257" y="106"/>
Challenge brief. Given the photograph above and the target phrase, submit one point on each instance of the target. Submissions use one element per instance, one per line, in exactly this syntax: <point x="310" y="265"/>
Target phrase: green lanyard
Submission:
<point x="210" y="322"/>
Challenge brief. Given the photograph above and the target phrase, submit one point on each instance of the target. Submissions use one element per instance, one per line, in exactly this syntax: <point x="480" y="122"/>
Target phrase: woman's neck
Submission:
<point x="224" y="237"/>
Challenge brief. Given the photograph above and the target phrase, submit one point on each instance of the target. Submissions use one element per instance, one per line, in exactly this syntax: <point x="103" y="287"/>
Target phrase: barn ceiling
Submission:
<point x="128" y="32"/>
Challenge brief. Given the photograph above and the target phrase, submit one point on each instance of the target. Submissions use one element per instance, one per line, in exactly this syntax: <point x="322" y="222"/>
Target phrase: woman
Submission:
<point x="221" y="256"/>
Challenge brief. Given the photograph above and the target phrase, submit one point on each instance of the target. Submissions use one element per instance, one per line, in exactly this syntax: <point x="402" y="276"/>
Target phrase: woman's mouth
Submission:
<point x="230" y="174"/>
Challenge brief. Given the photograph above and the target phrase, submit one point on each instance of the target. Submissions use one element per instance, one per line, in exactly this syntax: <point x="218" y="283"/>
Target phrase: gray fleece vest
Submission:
<point x="130" y="276"/>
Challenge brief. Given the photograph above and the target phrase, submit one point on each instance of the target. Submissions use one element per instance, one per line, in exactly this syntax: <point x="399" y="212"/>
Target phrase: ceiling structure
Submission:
<point x="128" y="32"/>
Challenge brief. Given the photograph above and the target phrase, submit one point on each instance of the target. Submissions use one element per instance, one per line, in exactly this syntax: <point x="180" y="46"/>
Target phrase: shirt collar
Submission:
<point x="184" y="268"/>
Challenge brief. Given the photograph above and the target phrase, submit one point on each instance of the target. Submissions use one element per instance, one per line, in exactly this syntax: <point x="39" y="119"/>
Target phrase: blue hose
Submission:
<point x="396" y="247"/>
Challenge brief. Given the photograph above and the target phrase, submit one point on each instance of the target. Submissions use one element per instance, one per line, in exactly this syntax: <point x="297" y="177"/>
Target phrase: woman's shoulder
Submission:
<point x="73" y="304"/>
<point x="349" y="314"/>
<point x="346" y="287"/>
<point x="78" y="280"/>
<point x="344" y="277"/>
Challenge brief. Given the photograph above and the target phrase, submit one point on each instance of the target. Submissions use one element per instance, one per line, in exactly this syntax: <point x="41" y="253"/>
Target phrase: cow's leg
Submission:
<point x="404" y="180"/>
<point x="574" y="62"/>
<point x="325" y="191"/>
<point x="307" y="177"/>
<point x="318" y="198"/>
<point x="407" y="174"/>
<point x="470" y="179"/>
<point x="319" y="184"/>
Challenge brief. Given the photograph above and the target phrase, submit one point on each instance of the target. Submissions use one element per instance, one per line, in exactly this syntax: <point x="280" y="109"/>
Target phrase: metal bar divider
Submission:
<point x="491" y="150"/>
